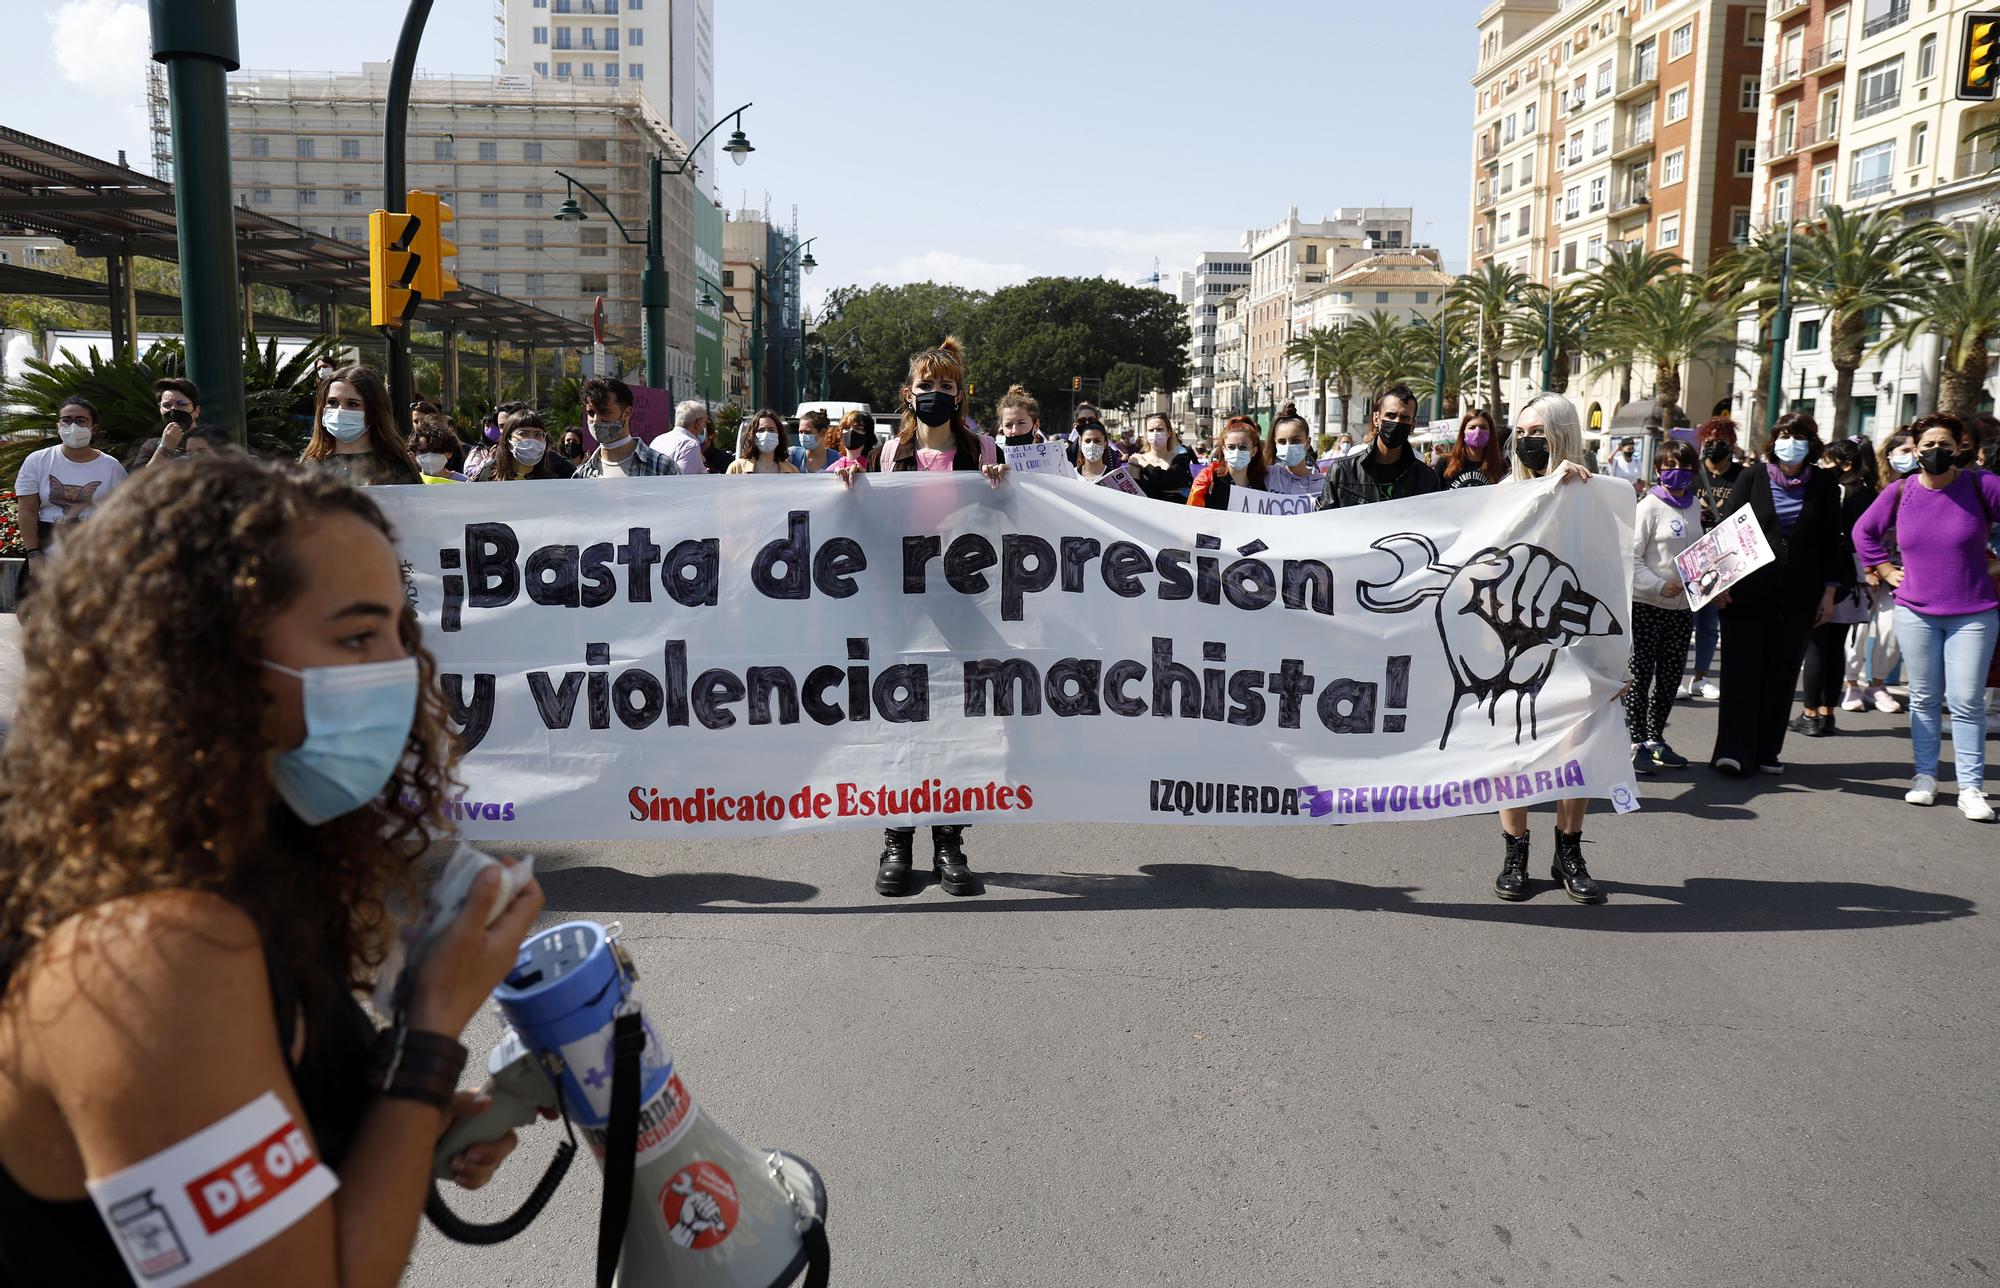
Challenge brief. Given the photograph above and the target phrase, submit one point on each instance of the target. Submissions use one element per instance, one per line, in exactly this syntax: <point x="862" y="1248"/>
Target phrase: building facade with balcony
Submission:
<point x="1406" y="285"/>
<point x="1216" y="274"/>
<point x="1294" y="256"/>
<point x="1860" y="112"/>
<point x="1602" y="123"/>
<point x="1232" y="397"/>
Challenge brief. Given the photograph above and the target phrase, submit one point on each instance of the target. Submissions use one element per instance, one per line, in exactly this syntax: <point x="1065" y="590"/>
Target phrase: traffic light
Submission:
<point x="434" y="280"/>
<point x="392" y="267"/>
<point x="1976" y="59"/>
<point x="1075" y="383"/>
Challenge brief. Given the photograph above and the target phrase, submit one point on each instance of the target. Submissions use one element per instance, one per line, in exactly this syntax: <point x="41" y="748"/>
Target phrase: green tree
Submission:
<point x="1856" y="267"/>
<point x="1954" y="294"/>
<point x="1317" y="351"/>
<point x="1568" y="314"/>
<point x="1749" y="274"/>
<point x="1126" y="383"/>
<point x="1612" y="293"/>
<point x="887" y="325"/>
<point x="1459" y="366"/>
<point x="1482" y="303"/>
<point x="1047" y="330"/>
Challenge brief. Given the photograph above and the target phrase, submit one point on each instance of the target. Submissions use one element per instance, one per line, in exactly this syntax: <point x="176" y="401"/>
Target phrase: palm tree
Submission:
<point x="1380" y="350"/>
<point x="1570" y="313"/>
<point x="1954" y="294"/>
<point x="1679" y="325"/>
<point x="1459" y="376"/>
<point x="1612" y="292"/>
<point x="1316" y="350"/>
<point x="1750" y="273"/>
<point x="1481" y="302"/>
<point x="1855" y="266"/>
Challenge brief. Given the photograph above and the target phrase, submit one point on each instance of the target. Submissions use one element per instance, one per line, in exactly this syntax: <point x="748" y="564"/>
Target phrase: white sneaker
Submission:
<point x="1708" y="689"/>
<point x="1853" y="699"/>
<point x="1885" y="702"/>
<point x="1686" y="688"/>
<point x="1972" y="804"/>
<point x="1923" y="791"/>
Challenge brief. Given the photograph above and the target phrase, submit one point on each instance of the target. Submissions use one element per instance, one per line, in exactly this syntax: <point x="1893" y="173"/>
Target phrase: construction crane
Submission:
<point x="1154" y="280"/>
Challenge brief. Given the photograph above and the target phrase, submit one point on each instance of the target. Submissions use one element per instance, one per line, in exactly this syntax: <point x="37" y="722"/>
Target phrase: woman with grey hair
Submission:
<point x="1548" y="440"/>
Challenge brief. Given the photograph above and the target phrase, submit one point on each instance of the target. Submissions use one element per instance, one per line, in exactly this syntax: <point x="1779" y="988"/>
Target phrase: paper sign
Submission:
<point x="1120" y="480"/>
<point x="1248" y="500"/>
<point x="652" y="413"/>
<point x="1039" y="458"/>
<point x="1726" y="554"/>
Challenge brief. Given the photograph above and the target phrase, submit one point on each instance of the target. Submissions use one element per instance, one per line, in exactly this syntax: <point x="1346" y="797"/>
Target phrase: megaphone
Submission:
<point x="685" y="1202"/>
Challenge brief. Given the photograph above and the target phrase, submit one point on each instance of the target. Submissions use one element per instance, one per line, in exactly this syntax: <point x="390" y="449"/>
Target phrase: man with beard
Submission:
<point x="1388" y="470"/>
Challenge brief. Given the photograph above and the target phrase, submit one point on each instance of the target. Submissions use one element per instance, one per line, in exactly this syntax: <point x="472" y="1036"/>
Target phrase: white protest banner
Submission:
<point x="1725" y="555"/>
<point x="1038" y="458"/>
<point x="1120" y="480"/>
<point x="673" y="656"/>
<point x="1250" y="500"/>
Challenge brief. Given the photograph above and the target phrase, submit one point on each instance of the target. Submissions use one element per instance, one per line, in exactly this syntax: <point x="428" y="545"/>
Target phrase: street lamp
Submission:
<point x="653" y="277"/>
<point x="825" y="345"/>
<point x="757" y="321"/>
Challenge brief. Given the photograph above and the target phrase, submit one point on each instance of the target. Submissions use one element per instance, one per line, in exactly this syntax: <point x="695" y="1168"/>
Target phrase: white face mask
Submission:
<point x="528" y="451"/>
<point x="767" y="441"/>
<point x="1158" y="438"/>
<point x="345" y="423"/>
<point x="1237" y="458"/>
<point x="1092" y="451"/>
<point x="74" y="436"/>
<point x="1290" y="454"/>
<point x="432" y="463"/>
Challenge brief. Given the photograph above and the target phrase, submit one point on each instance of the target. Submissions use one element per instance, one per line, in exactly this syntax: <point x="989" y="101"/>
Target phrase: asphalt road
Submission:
<point x="1191" y="1056"/>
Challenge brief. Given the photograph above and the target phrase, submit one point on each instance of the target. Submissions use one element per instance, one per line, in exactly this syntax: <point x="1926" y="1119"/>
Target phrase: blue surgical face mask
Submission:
<point x="1903" y="462"/>
<point x="344" y="423"/>
<point x="1290" y="454"/>
<point x="357" y="722"/>
<point x="1790" y="451"/>
<point x="1237" y="458"/>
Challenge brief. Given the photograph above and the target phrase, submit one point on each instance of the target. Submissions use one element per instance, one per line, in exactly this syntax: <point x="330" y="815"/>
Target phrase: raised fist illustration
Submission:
<point x="1502" y="616"/>
<point x="699" y="1213"/>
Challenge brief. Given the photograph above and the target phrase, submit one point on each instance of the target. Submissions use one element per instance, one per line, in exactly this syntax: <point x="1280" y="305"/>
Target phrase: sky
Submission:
<point x="976" y="143"/>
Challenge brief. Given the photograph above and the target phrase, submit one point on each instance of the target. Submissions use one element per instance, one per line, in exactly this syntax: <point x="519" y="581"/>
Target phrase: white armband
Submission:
<point x="198" y="1205"/>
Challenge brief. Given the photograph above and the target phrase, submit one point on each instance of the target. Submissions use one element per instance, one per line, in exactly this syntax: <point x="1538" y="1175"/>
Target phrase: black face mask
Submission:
<point x="1534" y="453"/>
<point x="181" y="418"/>
<point x="573" y="450"/>
<point x="1392" y="435"/>
<point x="1966" y="460"/>
<point x="856" y="439"/>
<point x="1716" y="452"/>
<point x="1936" y="460"/>
<point x="935" y="408"/>
<point x="1020" y="440"/>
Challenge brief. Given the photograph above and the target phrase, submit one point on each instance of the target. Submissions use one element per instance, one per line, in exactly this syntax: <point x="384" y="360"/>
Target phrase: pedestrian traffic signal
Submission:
<point x="1075" y="383"/>
<point x="434" y="280"/>
<point x="1976" y="59"/>
<point x="392" y="268"/>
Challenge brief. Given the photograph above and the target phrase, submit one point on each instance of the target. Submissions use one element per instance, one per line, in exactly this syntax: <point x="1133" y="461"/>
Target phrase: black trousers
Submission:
<point x="1659" y="655"/>
<point x="1826" y="664"/>
<point x="939" y="831"/>
<point x="1761" y="653"/>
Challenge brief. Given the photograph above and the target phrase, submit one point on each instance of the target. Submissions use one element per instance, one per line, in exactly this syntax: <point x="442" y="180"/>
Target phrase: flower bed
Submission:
<point x="11" y="544"/>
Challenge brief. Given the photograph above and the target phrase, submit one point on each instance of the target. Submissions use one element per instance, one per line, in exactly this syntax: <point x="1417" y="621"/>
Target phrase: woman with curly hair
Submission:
<point x="197" y="859"/>
<point x="355" y="436"/>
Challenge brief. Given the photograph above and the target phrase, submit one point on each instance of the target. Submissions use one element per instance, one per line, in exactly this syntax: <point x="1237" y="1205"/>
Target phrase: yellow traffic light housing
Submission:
<point x="393" y="267"/>
<point x="434" y="280"/>
<point x="1979" y="52"/>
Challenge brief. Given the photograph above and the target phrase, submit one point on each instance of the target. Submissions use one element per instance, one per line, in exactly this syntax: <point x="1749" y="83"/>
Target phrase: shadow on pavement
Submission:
<point x="1705" y="905"/>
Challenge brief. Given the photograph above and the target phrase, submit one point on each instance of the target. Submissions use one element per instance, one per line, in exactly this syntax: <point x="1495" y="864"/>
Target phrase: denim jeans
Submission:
<point x="1946" y="658"/>
<point x="1707" y="630"/>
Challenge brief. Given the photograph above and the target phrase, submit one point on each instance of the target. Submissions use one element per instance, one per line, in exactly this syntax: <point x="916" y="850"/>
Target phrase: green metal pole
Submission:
<point x="1781" y="326"/>
<point x="1549" y="339"/>
<point x="799" y="356"/>
<point x="653" y="282"/>
<point x="1437" y="403"/>
<point x="196" y="39"/>
<point x="757" y="342"/>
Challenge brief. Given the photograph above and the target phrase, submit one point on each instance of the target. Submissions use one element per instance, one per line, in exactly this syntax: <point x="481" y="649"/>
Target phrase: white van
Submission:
<point x="834" y="410"/>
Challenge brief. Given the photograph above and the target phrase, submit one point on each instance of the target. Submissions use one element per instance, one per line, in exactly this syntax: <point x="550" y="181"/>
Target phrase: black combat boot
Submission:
<point x="1570" y="871"/>
<point x="948" y="844"/>
<point x="893" y="877"/>
<point x="1512" y="883"/>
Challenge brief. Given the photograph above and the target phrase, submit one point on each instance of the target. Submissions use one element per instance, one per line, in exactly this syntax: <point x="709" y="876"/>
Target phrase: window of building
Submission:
<point x="534" y="284"/>
<point x="611" y="71"/>
<point x="541" y="4"/>
<point x="531" y="201"/>
<point x="1641" y="123"/>
<point x="541" y="36"/>
<point x="1528" y="119"/>
<point x="1381" y="297"/>
<point x="1576" y="147"/>
<point x="1753" y="29"/>
<point x="590" y="71"/>
<point x="350" y="149"/>
<point x="1646" y="60"/>
<point x="1749" y="93"/>
<point x="1822" y="187"/>
<point x="1829" y="113"/>
<point x="1809" y="334"/>
<point x="611" y="40"/>
<point x="1569" y="257"/>
<point x="1920" y="140"/>
<point x="1673" y="168"/>
<point x="635" y="36"/>
<point x="1573" y="202"/>
<point x="308" y="196"/>
<point x="489" y="152"/>
<point x="541" y="69"/>
<point x="592" y="283"/>
<point x="593" y="242"/>
<point x="1781" y="201"/>
<point x="350" y="196"/>
<point x="590" y="150"/>
<point x="1739" y="225"/>
<point x="536" y="237"/>
<point x="1508" y="131"/>
<point x="1880" y="88"/>
<point x="1677" y="104"/>
<point x="1670" y="231"/>
<point x="260" y="145"/>
<point x="357" y="233"/>
<point x="489" y="282"/>
<point x="260" y="196"/>
<point x="635" y="71"/>
<point x="1869" y="173"/>
<point x="489" y="200"/>
<point x="562" y="71"/>
<point x="564" y="40"/>
<point x="1506" y="227"/>
<point x="1927" y="58"/>
<point x="1423" y="297"/>
<point x="1681" y="43"/>
<point x="1879" y="15"/>
<point x="531" y="151"/>
<point x="489" y="239"/>
<point x="441" y="149"/>
<point x="1597" y="187"/>
<point x="1746" y="160"/>
<point x="1604" y="79"/>
<point x="1312" y="254"/>
<point x="1507" y="177"/>
<point x="1522" y="218"/>
<point x="305" y="148"/>
<point x="1600" y="137"/>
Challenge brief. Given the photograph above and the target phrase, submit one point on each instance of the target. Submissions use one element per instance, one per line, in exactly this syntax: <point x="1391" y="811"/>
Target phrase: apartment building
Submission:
<point x="751" y="245"/>
<point x="1406" y="284"/>
<point x="1607" y="122"/>
<point x="1231" y="327"/>
<point x="1216" y="274"/>
<point x="1293" y="256"/>
<point x="307" y="147"/>
<point x="666" y="48"/>
<point x="1860" y="110"/>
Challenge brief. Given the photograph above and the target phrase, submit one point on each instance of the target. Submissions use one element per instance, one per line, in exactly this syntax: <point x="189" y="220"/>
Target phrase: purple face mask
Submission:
<point x="1477" y="437"/>
<point x="492" y="433"/>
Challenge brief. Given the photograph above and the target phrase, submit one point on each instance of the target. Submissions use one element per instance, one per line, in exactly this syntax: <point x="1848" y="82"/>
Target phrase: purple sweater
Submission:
<point x="1942" y="537"/>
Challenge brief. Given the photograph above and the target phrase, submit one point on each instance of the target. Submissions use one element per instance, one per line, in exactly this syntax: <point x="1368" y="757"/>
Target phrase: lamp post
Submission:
<point x="808" y="264"/>
<point x="1781" y="324"/>
<point x="825" y="381"/>
<point x="1548" y="337"/>
<point x="653" y="276"/>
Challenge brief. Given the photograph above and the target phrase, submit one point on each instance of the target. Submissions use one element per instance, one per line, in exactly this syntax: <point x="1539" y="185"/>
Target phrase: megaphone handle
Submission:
<point x="520" y="1091"/>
